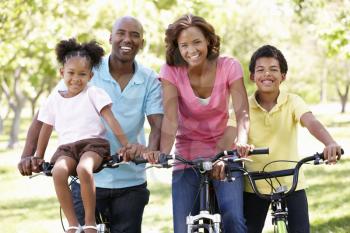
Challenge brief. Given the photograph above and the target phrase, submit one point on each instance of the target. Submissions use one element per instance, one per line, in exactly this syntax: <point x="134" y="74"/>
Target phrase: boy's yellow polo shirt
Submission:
<point x="278" y="130"/>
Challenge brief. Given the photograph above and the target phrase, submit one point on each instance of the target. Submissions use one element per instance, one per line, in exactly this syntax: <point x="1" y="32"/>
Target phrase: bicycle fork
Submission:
<point x="279" y="216"/>
<point x="194" y="223"/>
<point x="210" y="222"/>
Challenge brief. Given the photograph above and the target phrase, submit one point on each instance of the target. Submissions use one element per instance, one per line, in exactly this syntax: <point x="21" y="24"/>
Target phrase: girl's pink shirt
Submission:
<point x="201" y="126"/>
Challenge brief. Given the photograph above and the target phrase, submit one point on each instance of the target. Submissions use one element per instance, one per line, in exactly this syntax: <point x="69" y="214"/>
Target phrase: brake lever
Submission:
<point x="243" y="160"/>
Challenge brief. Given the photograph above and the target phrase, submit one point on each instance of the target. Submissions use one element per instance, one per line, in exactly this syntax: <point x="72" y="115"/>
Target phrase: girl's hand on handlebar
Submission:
<point x="332" y="153"/>
<point x="36" y="162"/>
<point x="243" y="149"/>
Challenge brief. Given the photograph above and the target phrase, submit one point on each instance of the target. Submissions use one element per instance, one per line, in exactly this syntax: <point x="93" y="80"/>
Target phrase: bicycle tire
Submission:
<point x="281" y="227"/>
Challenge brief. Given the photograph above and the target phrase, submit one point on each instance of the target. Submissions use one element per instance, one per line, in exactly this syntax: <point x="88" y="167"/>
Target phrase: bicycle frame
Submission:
<point x="207" y="219"/>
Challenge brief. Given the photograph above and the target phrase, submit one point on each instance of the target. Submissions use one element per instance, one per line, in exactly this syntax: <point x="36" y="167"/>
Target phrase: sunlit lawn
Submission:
<point x="29" y="205"/>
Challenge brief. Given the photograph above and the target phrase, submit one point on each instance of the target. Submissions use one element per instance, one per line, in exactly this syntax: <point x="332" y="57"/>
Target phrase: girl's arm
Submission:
<point x="332" y="150"/>
<point x="169" y="123"/>
<point x="44" y="137"/>
<point x="107" y="114"/>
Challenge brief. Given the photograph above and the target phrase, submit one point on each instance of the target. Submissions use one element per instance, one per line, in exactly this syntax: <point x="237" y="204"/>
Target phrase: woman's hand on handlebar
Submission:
<point x="332" y="153"/>
<point x="243" y="149"/>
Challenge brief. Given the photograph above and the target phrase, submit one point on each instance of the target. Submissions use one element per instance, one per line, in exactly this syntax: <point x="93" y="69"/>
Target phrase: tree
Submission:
<point x="29" y="31"/>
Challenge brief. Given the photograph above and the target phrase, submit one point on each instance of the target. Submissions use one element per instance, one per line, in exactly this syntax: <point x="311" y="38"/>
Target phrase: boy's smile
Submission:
<point x="267" y="75"/>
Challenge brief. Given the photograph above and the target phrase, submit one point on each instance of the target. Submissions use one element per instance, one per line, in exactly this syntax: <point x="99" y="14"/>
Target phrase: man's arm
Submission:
<point x="155" y="121"/>
<point x="25" y="164"/>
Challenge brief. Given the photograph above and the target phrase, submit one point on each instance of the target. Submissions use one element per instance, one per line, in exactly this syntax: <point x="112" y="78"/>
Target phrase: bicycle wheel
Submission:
<point x="280" y="227"/>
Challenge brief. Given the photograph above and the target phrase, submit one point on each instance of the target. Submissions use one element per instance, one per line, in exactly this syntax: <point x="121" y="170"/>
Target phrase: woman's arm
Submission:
<point x="109" y="117"/>
<point x="170" y="120"/>
<point x="332" y="150"/>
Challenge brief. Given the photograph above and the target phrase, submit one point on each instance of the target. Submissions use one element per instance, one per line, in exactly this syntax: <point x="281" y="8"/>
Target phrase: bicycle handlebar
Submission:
<point x="259" y="175"/>
<point x="163" y="158"/>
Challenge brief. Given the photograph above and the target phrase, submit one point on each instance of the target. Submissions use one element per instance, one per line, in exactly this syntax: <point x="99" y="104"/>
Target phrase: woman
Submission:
<point x="197" y="87"/>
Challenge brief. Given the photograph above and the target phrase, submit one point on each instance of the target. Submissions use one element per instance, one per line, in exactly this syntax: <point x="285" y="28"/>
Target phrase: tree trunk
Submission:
<point x="343" y="97"/>
<point x="16" y="100"/>
<point x="15" y="126"/>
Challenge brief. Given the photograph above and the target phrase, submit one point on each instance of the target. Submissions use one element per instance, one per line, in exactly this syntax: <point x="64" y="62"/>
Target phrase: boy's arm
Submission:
<point x="332" y="150"/>
<point x="107" y="114"/>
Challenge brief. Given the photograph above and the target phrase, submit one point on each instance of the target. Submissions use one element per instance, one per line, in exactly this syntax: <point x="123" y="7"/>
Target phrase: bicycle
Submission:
<point x="279" y="211"/>
<point x="102" y="223"/>
<point x="209" y="217"/>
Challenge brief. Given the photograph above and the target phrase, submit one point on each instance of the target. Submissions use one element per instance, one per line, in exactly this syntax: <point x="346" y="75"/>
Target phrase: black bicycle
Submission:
<point x="102" y="222"/>
<point x="278" y="195"/>
<point x="209" y="218"/>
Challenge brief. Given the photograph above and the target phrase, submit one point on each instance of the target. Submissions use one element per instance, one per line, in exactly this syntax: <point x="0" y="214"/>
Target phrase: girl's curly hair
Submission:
<point x="66" y="49"/>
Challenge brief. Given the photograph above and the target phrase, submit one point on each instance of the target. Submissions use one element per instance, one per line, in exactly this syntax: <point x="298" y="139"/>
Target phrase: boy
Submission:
<point x="275" y="116"/>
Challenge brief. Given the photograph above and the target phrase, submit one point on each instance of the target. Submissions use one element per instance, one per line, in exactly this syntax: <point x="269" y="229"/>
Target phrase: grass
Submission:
<point x="30" y="205"/>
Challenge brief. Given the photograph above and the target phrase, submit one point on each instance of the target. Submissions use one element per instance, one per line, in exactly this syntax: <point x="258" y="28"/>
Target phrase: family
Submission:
<point x="100" y="105"/>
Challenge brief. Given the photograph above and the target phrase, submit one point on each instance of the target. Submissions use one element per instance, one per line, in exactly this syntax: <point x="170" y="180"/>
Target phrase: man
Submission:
<point x="121" y="193"/>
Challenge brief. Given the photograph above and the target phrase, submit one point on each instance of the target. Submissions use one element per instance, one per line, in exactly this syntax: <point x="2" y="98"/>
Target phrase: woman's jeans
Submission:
<point x="185" y="187"/>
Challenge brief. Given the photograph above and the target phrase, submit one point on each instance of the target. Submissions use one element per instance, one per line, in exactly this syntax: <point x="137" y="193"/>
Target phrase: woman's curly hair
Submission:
<point x="66" y="49"/>
<point x="173" y="56"/>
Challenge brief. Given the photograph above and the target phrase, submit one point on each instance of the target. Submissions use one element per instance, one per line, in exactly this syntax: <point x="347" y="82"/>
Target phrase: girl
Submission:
<point x="75" y="114"/>
<point x="197" y="86"/>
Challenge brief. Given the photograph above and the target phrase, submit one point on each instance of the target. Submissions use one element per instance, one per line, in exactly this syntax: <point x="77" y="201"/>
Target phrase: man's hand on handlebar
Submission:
<point x="243" y="149"/>
<point x="332" y="153"/>
<point x="151" y="156"/>
<point x="28" y="165"/>
<point x="130" y="151"/>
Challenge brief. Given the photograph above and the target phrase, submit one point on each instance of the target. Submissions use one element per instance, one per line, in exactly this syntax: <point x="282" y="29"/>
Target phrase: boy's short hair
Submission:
<point x="268" y="51"/>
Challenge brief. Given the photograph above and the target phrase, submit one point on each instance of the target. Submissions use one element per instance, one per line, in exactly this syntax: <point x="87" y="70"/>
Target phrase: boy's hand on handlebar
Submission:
<point x="243" y="149"/>
<point x="218" y="171"/>
<point x="332" y="153"/>
<point x="130" y="151"/>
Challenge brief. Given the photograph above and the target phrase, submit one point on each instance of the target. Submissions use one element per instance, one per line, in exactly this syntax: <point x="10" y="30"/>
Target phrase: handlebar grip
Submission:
<point x="259" y="151"/>
<point x="321" y="155"/>
<point x="139" y="160"/>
